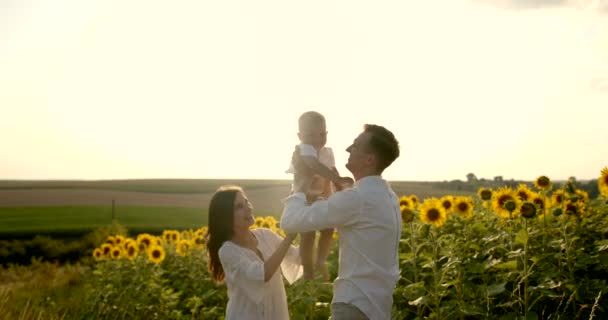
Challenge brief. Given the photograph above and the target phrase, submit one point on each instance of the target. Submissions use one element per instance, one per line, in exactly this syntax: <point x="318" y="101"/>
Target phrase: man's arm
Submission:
<point x="338" y="210"/>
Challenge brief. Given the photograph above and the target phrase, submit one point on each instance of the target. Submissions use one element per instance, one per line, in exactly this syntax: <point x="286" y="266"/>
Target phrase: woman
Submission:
<point x="247" y="259"/>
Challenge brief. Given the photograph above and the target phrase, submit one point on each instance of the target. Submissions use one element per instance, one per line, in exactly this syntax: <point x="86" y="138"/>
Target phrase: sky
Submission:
<point x="213" y="89"/>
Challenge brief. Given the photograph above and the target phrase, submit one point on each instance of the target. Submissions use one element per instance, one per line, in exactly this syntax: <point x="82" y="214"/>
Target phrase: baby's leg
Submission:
<point x="323" y="252"/>
<point x="307" y="243"/>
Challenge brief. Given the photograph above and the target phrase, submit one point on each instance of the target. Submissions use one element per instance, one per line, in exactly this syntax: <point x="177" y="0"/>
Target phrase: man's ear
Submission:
<point x="371" y="159"/>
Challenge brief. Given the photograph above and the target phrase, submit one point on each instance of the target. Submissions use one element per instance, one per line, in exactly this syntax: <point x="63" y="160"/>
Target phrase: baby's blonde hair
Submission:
<point x="310" y="119"/>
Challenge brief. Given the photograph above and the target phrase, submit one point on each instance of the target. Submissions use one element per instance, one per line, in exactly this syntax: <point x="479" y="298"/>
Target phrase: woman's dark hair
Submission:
<point x="221" y="219"/>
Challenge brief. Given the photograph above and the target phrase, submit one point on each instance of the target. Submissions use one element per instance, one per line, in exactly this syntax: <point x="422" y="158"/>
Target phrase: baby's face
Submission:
<point x="315" y="135"/>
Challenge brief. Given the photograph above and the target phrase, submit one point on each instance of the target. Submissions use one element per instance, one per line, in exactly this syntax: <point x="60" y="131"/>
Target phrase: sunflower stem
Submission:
<point x="525" y="273"/>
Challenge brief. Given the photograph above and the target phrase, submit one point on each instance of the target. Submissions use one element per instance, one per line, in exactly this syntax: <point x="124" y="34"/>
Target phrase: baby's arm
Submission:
<point x="318" y="168"/>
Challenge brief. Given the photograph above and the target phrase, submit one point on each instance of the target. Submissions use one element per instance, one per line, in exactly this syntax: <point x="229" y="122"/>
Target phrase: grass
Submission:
<point x="74" y="221"/>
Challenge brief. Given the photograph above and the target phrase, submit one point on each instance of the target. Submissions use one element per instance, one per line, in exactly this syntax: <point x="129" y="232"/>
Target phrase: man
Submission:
<point x="368" y="220"/>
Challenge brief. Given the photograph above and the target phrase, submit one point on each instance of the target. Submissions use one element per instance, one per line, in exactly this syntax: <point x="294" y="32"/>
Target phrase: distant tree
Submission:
<point x="573" y="179"/>
<point x="471" y="177"/>
<point x="498" y="179"/>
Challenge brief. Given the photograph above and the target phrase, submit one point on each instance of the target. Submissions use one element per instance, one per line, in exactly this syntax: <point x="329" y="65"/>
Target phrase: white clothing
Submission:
<point x="249" y="297"/>
<point x="368" y="219"/>
<point x="325" y="156"/>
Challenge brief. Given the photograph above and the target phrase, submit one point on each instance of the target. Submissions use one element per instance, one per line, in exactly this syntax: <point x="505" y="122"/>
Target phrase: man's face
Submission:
<point x="360" y="155"/>
<point x="315" y="135"/>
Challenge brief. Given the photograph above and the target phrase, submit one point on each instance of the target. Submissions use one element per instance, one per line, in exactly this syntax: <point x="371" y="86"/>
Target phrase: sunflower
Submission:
<point x="119" y="240"/>
<point x="186" y="234"/>
<point x="198" y="241"/>
<point x="528" y="209"/>
<point x="572" y="209"/>
<point x="523" y="192"/>
<point x="144" y="241"/>
<point x="540" y="202"/>
<point x="582" y="195"/>
<point x="156" y="254"/>
<point x="106" y="248"/>
<point x="110" y="240"/>
<point x="447" y="202"/>
<point x="558" y="197"/>
<point x="500" y="197"/>
<point x="116" y="253"/>
<point x="182" y="247"/>
<point x="602" y="182"/>
<point x="167" y="235"/>
<point x="464" y="206"/>
<point x="98" y="254"/>
<point x="202" y="231"/>
<point x="543" y="183"/>
<point x="485" y="194"/>
<point x="432" y="212"/>
<point x="129" y="242"/>
<point x="131" y="251"/>
<point x="407" y="214"/>
<point x="414" y="200"/>
<point x="405" y="201"/>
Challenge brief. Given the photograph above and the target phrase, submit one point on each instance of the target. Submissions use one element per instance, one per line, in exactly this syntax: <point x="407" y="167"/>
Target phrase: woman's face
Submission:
<point x="243" y="216"/>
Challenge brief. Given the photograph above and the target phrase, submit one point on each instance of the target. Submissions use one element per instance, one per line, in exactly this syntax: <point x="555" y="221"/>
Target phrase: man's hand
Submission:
<point x="345" y="183"/>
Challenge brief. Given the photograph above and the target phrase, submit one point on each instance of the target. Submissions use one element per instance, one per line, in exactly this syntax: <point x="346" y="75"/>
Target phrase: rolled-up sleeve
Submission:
<point x="338" y="210"/>
<point x="246" y="273"/>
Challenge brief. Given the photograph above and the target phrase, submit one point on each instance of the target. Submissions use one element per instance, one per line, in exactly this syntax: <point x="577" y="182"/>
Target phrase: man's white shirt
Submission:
<point x="368" y="220"/>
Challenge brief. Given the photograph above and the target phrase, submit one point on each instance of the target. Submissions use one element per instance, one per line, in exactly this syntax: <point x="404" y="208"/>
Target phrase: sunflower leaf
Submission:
<point x="522" y="237"/>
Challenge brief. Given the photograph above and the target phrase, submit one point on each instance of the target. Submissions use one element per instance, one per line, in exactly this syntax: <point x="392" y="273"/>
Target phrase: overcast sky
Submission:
<point x="213" y="89"/>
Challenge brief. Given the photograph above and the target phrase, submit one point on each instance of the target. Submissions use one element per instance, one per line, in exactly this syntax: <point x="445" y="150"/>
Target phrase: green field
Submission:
<point x="142" y="185"/>
<point x="76" y="221"/>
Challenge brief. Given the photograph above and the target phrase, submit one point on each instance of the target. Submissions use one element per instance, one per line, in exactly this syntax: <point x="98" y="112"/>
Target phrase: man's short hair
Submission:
<point x="383" y="144"/>
<point x="309" y="119"/>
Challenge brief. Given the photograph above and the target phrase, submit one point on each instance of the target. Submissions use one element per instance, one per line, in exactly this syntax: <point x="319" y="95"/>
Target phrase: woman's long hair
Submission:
<point x="221" y="221"/>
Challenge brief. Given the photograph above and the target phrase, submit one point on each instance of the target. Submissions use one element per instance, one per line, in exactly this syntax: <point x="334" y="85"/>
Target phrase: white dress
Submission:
<point x="249" y="297"/>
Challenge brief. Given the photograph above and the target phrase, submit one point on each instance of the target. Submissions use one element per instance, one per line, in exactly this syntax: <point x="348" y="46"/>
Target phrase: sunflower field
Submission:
<point x="531" y="252"/>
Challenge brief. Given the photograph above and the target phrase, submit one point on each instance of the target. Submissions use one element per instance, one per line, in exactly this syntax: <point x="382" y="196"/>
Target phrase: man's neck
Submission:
<point x="363" y="175"/>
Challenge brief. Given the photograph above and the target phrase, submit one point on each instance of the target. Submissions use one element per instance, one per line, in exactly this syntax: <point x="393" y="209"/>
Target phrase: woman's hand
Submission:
<point x="290" y="237"/>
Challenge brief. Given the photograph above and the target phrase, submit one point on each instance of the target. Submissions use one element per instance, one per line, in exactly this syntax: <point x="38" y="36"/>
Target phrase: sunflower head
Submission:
<point x="111" y="240"/>
<point x="539" y="201"/>
<point x="464" y="206"/>
<point x="602" y="182"/>
<point x="447" y="203"/>
<point x="156" y="254"/>
<point x="98" y="254"/>
<point x="405" y="201"/>
<point x="407" y="214"/>
<point x="432" y="212"/>
<point x="485" y="194"/>
<point x="500" y="199"/>
<point x="523" y="192"/>
<point x="558" y="197"/>
<point x="528" y="210"/>
<point x="116" y="253"/>
<point x="182" y="247"/>
<point x="199" y="241"/>
<point x="573" y="209"/>
<point x="106" y="248"/>
<point x="510" y="205"/>
<point x="414" y="200"/>
<point x="557" y="212"/>
<point x="131" y="251"/>
<point x="543" y="183"/>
